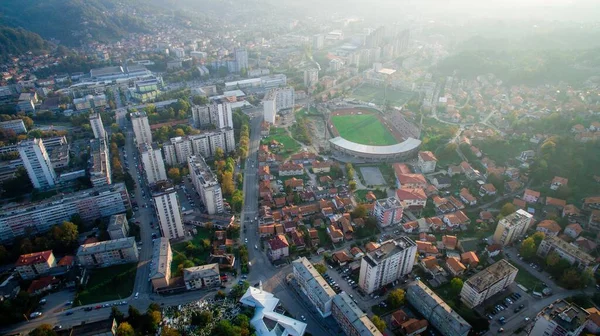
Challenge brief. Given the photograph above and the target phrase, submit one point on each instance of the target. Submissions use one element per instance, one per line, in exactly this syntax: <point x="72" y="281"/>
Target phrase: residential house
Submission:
<point x="303" y="157"/>
<point x="455" y="267"/>
<point x="426" y="162"/>
<point x="555" y="203"/>
<point x="531" y="196"/>
<point x="476" y="151"/>
<point x="226" y="261"/>
<point x="295" y="184"/>
<point x="579" y="128"/>
<point x="435" y="223"/>
<point x="314" y="237"/>
<point x="456" y="203"/>
<point x="486" y="216"/>
<point x="199" y="277"/>
<point x="549" y="227"/>
<point x="594" y="221"/>
<point x="558" y="182"/>
<point x="291" y="169"/>
<point x="456" y="220"/>
<point x="278" y="247"/>
<point x="442" y="204"/>
<point x="466" y="197"/>
<point x="411" y="227"/>
<point x="266" y="230"/>
<point x="371" y="246"/>
<point x="431" y="266"/>
<point x="321" y="167"/>
<point x="335" y="234"/>
<point x="573" y="230"/>
<point x="341" y="257"/>
<point x="298" y="239"/>
<point x="468" y="170"/>
<point x="413" y="199"/>
<point x="591" y="203"/>
<point x="264" y="173"/>
<point x="356" y="252"/>
<point x="449" y="242"/>
<point x="411" y="181"/>
<point x="511" y="187"/>
<point x="408" y="326"/>
<point x="519" y="204"/>
<point x="571" y="211"/>
<point x="441" y="182"/>
<point x="470" y="259"/>
<point x="454" y="170"/>
<point x="42" y="285"/>
<point x="487" y="189"/>
<point x="427" y="248"/>
<point x="30" y="266"/>
<point x="585" y="244"/>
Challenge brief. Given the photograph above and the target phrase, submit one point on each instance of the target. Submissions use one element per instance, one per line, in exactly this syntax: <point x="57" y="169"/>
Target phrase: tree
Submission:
<point x="202" y="318"/>
<point x="219" y="154"/>
<point x="174" y="174"/>
<point x="456" y="285"/>
<point x="379" y="323"/>
<point x="43" y="330"/>
<point x="68" y="234"/>
<point x="360" y="211"/>
<point x="507" y="209"/>
<point x="166" y="331"/>
<point x="117" y="315"/>
<point x="125" y="329"/>
<point x="552" y="259"/>
<point x="537" y="238"/>
<point x="133" y="316"/>
<point x="227" y="184"/>
<point x="396" y="298"/>
<point x="528" y="248"/>
<point x="320" y="268"/>
<point x="352" y="185"/>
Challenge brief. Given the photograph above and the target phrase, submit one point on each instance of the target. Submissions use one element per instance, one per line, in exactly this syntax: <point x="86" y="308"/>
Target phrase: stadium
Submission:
<point x="364" y="134"/>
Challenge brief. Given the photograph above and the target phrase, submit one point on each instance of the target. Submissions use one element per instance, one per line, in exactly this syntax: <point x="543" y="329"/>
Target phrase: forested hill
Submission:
<point x="72" y="22"/>
<point x="17" y="41"/>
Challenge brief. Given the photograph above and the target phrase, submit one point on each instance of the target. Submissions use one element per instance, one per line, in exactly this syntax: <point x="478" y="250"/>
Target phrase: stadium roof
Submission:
<point x="405" y="146"/>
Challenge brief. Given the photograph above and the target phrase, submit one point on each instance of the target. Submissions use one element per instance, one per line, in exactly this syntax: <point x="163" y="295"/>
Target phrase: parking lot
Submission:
<point x="505" y="307"/>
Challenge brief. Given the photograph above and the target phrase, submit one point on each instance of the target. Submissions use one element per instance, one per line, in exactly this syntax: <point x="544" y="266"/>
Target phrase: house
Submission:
<point x="435" y="223"/>
<point x="590" y="203"/>
<point x="442" y="204"/>
<point x="356" y="252"/>
<point x="411" y="181"/>
<point x="570" y="210"/>
<point x="408" y="326"/>
<point x="487" y="189"/>
<point x="304" y="157"/>
<point x="266" y="230"/>
<point x="456" y="203"/>
<point x="325" y="180"/>
<point x="321" y="167"/>
<point x="455" y="267"/>
<point x="441" y="182"/>
<point x="449" y="242"/>
<point x="531" y="196"/>
<point x="594" y="221"/>
<point x="511" y="187"/>
<point x="454" y="170"/>
<point x="42" y="285"/>
<point x="371" y="246"/>
<point x="573" y="230"/>
<point x="30" y="266"/>
<point x="549" y="227"/>
<point x="555" y="203"/>
<point x="578" y="128"/>
<point x="468" y="170"/>
<point x="592" y="323"/>
<point x="470" y="259"/>
<point x="558" y="182"/>
<point x="456" y="220"/>
<point x="493" y="250"/>
<point x="431" y="190"/>
<point x="486" y="216"/>
<point x="341" y="257"/>
<point x="291" y="169"/>
<point x="585" y="244"/>
<point x="595" y="126"/>
<point x="370" y="197"/>
<point x="519" y="204"/>
<point x="265" y="128"/>
<point x="295" y="184"/>
<point x="466" y="197"/>
<point x="347" y="229"/>
<point x="335" y="234"/>
<point x="313" y="234"/>
<point x="410" y="227"/>
<point x="427" y="248"/>
<point x="298" y="239"/>
<point x="476" y="152"/>
<point x="264" y="173"/>
<point x="412" y="198"/>
<point x="278" y="247"/>
<point x="431" y="266"/>
<point x="426" y="162"/>
<point x="226" y="261"/>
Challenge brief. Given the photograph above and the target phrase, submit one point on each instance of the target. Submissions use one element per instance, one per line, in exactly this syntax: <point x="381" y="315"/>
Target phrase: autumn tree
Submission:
<point x="43" y="330"/>
<point x="552" y="259"/>
<point x="320" y="268"/>
<point x="360" y="211"/>
<point x="166" y="331"/>
<point x="219" y="154"/>
<point x="528" y="248"/>
<point x="379" y="323"/>
<point x="227" y="185"/>
<point x="396" y="298"/>
<point x="507" y="209"/>
<point x="174" y="174"/>
<point x="125" y="329"/>
<point x="537" y="238"/>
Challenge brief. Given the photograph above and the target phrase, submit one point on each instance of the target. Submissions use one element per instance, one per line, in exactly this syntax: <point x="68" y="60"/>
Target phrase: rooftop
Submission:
<point x="202" y="171"/>
<point x="109" y="245"/>
<point x="567" y="315"/>
<point x="355" y="315"/>
<point x="492" y="274"/>
<point x="405" y="146"/>
<point x="388" y="249"/>
<point x="33" y="258"/>
<point x="516" y="218"/>
<point x="162" y="187"/>
<point x="572" y="250"/>
<point x="161" y="255"/>
<point x="116" y="222"/>
<point x="199" y="272"/>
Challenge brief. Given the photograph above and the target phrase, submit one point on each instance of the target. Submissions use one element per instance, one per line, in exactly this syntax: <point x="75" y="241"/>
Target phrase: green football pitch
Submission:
<point x="364" y="129"/>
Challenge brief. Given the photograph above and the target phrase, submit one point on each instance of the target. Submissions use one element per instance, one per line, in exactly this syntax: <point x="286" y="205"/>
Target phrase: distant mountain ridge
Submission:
<point x="17" y="41"/>
<point x="73" y="22"/>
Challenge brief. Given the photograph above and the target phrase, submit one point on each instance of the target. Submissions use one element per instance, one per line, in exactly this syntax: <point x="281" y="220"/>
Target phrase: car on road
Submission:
<point x="302" y="318"/>
<point x="70" y="312"/>
<point x="87" y="309"/>
<point x="35" y="314"/>
<point x="57" y="327"/>
<point x="137" y="294"/>
<point x="98" y="307"/>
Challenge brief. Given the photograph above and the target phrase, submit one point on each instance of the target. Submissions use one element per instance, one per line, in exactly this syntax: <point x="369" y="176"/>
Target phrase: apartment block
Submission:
<point x="436" y="311"/>
<point x="97" y="126"/>
<point x="108" y="253"/>
<point x="392" y="260"/>
<point x="488" y="282"/>
<point x="352" y="320"/>
<point x="100" y="171"/>
<point x="241" y="59"/>
<point x="168" y="209"/>
<point x="200" y="116"/>
<point x="177" y="150"/>
<point x="153" y="163"/>
<point x="388" y="211"/>
<point x="512" y="227"/>
<point x="118" y="227"/>
<point x="39" y="217"/>
<point x="313" y="285"/>
<point x="141" y="128"/>
<point x="276" y="100"/>
<point x="32" y="265"/>
<point x="160" y="270"/>
<point x="206" y="184"/>
<point x="568" y="252"/>
<point x="560" y="318"/>
<point x="199" y="277"/>
<point x="426" y="162"/>
<point x="37" y="163"/>
<point x="17" y="126"/>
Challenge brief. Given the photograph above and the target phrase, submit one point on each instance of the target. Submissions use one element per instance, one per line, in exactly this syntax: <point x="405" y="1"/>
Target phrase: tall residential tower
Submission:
<point x="37" y="163"/>
<point x="168" y="209"/>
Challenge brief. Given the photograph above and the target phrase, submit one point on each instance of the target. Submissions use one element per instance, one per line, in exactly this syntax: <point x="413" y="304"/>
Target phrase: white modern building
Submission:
<point x="99" y="168"/>
<point x="488" y="282"/>
<point x="265" y="82"/>
<point x="168" y="210"/>
<point x="313" y="285"/>
<point x="277" y="100"/>
<point x="206" y="184"/>
<point x="201" y="115"/>
<point x="205" y="276"/>
<point x="206" y="144"/>
<point x="241" y="59"/>
<point x="141" y="128"/>
<point x="152" y="162"/>
<point x="108" y="253"/>
<point x="391" y="261"/>
<point x="177" y="150"/>
<point x="37" y="163"/>
<point x="512" y="227"/>
<point x="97" y="126"/>
<point x="318" y="41"/>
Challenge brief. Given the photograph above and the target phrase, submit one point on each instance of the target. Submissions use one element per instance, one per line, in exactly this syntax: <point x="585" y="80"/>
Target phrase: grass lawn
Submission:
<point x="360" y="194"/>
<point x="290" y="145"/>
<point x="108" y="283"/>
<point x="527" y="279"/>
<point x="179" y="250"/>
<point x="368" y="93"/>
<point x="364" y="129"/>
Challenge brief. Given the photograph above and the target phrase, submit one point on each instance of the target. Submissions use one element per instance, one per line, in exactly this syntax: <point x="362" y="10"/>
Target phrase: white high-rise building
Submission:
<point x="221" y="115"/>
<point x="168" y="210"/>
<point x="487" y="283"/>
<point x="169" y="153"/>
<point x="153" y="163"/>
<point x="141" y="128"/>
<point x="200" y="115"/>
<point x="182" y="148"/>
<point x="512" y="227"/>
<point x="97" y="126"/>
<point x="311" y="77"/>
<point x="277" y="100"/>
<point x="37" y="163"/>
<point x="100" y="172"/>
<point x="206" y="184"/>
<point x="241" y="59"/>
<point x="318" y="41"/>
<point x="391" y="261"/>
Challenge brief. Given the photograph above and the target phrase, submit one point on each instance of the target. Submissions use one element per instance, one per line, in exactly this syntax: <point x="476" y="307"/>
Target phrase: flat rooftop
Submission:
<point x="567" y="315"/>
<point x="109" y="245"/>
<point x="388" y="249"/>
<point x="492" y="274"/>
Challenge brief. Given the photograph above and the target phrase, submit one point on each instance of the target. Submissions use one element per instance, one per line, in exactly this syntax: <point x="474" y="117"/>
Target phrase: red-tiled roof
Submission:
<point x="33" y="258"/>
<point x="427" y="156"/>
<point x="278" y="242"/>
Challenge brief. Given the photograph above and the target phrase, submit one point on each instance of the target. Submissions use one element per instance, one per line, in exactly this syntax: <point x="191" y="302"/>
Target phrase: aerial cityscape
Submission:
<point x="291" y="168"/>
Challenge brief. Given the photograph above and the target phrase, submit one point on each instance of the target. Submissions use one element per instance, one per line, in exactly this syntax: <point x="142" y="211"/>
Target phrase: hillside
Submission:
<point x="72" y="21"/>
<point x="17" y="41"/>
